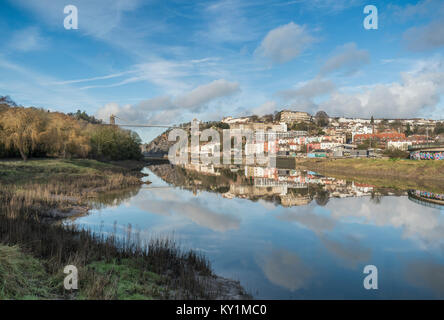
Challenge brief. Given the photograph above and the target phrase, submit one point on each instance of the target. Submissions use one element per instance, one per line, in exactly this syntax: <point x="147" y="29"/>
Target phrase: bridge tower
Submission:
<point x="112" y="119"/>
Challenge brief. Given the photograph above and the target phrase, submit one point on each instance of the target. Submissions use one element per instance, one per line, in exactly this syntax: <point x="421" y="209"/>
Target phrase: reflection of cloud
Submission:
<point x="309" y="219"/>
<point x="192" y="209"/>
<point x="350" y="250"/>
<point x="426" y="274"/>
<point x="417" y="222"/>
<point x="286" y="269"/>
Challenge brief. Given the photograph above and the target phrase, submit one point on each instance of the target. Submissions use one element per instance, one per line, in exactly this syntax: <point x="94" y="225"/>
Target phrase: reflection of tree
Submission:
<point x="322" y="197"/>
<point x="115" y="197"/>
<point x="375" y="198"/>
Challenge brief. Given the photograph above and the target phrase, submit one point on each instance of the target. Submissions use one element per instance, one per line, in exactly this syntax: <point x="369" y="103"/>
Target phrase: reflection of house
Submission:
<point x="318" y="153"/>
<point x="290" y="200"/>
<point x="343" y="150"/>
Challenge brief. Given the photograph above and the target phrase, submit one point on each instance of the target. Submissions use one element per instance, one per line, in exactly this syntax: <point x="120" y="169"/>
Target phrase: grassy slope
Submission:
<point x="25" y="278"/>
<point x="400" y="174"/>
<point x="22" y="276"/>
<point x="42" y="170"/>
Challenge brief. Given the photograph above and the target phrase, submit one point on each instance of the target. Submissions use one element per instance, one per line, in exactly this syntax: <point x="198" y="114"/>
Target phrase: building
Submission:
<point x="380" y="138"/>
<point x="289" y="116"/>
<point x="401" y="145"/>
<point x="231" y="120"/>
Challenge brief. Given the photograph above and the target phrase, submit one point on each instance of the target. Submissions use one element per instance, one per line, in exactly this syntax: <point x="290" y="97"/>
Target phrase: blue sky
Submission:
<point x="170" y="61"/>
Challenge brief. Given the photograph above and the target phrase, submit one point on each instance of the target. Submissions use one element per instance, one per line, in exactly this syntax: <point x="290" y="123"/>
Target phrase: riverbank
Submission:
<point x="58" y="189"/>
<point x="34" y="248"/>
<point x="391" y="173"/>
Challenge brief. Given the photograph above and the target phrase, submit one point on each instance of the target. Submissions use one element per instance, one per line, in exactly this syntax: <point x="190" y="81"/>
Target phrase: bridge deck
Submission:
<point x="427" y="147"/>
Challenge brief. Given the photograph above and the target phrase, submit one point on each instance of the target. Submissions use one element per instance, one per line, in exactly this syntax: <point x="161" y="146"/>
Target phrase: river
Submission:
<point x="289" y="234"/>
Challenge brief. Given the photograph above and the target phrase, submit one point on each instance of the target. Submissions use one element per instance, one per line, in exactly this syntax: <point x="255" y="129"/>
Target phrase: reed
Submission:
<point x="111" y="267"/>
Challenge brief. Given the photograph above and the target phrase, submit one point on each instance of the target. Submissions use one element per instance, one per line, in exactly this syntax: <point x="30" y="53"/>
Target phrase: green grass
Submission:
<point x="22" y="276"/>
<point x="396" y="173"/>
<point x="42" y="170"/>
<point x="123" y="280"/>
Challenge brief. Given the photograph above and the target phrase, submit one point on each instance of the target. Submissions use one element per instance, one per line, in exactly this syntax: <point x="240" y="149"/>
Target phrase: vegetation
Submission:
<point x="394" y="173"/>
<point x="439" y="128"/>
<point x="33" y="254"/>
<point x="27" y="132"/>
<point x="22" y="276"/>
<point x="367" y="143"/>
<point x="408" y="131"/>
<point x="321" y="119"/>
<point x="394" y="153"/>
<point x="82" y="115"/>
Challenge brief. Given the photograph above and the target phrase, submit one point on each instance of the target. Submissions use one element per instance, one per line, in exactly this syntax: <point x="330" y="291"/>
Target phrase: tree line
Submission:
<point x="34" y="132"/>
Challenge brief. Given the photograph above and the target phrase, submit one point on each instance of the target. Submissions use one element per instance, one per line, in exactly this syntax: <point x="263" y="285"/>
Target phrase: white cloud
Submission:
<point x="268" y="107"/>
<point x="198" y="97"/>
<point x="28" y="39"/>
<point x="416" y="93"/>
<point x="430" y="36"/>
<point x="308" y="90"/>
<point x="29" y="87"/>
<point x="226" y="22"/>
<point x="429" y="8"/>
<point x="105" y="77"/>
<point x="347" y="60"/>
<point x="285" y="43"/>
<point x="163" y="109"/>
<point x="95" y="17"/>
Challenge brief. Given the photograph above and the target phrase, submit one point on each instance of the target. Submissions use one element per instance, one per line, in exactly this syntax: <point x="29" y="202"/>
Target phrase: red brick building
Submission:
<point x="380" y="138"/>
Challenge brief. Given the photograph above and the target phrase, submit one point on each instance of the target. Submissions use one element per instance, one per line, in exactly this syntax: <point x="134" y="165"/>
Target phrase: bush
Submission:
<point x="396" y="153"/>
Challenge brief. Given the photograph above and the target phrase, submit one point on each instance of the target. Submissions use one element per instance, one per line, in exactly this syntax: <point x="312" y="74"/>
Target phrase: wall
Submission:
<point x="427" y="155"/>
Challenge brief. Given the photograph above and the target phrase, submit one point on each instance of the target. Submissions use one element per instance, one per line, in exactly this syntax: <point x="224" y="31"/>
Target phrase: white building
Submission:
<point x="401" y="145"/>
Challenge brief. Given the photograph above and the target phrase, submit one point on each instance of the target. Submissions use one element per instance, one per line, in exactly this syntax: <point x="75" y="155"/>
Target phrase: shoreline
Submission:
<point x="41" y="186"/>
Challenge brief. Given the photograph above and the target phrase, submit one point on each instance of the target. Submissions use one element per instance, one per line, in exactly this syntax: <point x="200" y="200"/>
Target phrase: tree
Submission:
<point x="439" y="128"/>
<point x="299" y="126"/>
<point x="267" y="118"/>
<point x="396" y="125"/>
<point x="322" y="119"/>
<point x="79" y="115"/>
<point x="65" y="137"/>
<point x="113" y="143"/>
<point x="222" y="125"/>
<point x="7" y="101"/>
<point x="367" y="143"/>
<point x="21" y="129"/>
<point x="408" y="131"/>
<point x="382" y="124"/>
<point x="254" y="118"/>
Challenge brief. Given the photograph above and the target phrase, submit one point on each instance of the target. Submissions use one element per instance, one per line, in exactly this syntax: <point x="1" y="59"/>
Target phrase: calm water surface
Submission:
<point x="306" y="237"/>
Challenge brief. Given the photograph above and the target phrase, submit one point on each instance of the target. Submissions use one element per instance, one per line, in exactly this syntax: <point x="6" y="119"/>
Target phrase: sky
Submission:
<point x="166" y="62"/>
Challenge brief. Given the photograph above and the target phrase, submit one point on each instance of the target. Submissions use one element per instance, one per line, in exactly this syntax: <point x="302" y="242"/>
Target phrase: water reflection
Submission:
<point x="291" y="234"/>
<point x="286" y="269"/>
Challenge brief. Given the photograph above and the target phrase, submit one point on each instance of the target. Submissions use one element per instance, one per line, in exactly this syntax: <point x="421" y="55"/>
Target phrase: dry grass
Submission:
<point x="394" y="173"/>
<point x="111" y="267"/>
